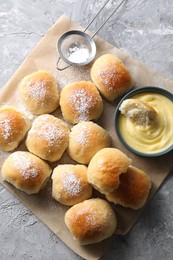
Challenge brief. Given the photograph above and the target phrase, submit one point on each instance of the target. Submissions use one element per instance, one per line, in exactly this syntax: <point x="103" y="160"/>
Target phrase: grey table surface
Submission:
<point x="144" y="29"/>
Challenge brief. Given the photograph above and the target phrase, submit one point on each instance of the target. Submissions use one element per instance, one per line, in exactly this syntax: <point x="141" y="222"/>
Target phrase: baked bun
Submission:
<point x="70" y="185"/>
<point x="91" y="221"/>
<point x="80" y="101"/>
<point x="133" y="189"/>
<point x="105" y="168"/>
<point x="138" y="111"/>
<point x="110" y="76"/>
<point x="13" y="127"/>
<point x="86" y="138"/>
<point x="48" y="137"/>
<point x="39" y="92"/>
<point x="26" y="172"/>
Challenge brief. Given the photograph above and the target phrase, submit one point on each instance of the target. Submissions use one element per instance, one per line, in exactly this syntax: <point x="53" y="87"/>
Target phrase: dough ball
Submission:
<point x="26" y="172"/>
<point x="87" y="138"/>
<point x="48" y="137"/>
<point x="110" y="76"/>
<point x="105" y="168"/>
<point x="70" y="185"/>
<point x="91" y="221"/>
<point x="39" y="92"/>
<point x="80" y="101"/>
<point x="133" y="189"/>
<point x="13" y="128"/>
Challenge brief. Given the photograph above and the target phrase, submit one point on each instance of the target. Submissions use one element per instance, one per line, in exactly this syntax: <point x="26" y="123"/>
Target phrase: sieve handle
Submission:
<point x="58" y="68"/>
<point x="106" y="19"/>
<point x="96" y="16"/>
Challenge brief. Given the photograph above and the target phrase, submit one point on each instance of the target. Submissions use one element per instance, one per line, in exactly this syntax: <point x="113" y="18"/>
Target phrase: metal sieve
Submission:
<point x="77" y="48"/>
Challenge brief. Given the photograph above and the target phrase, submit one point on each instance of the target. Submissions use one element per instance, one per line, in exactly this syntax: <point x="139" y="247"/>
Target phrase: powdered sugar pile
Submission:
<point x="78" y="54"/>
<point x="26" y="167"/>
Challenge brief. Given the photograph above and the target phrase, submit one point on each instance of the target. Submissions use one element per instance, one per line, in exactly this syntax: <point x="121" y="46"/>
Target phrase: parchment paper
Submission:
<point x="44" y="56"/>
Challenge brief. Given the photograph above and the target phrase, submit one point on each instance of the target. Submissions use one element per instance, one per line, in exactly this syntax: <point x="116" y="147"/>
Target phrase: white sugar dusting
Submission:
<point x="77" y="74"/>
<point x="82" y="102"/>
<point x="71" y="183"/>
<point x="90" y="215"/>
<point x="37" y="90"/>
<point x="83" y="135"/>
<point x="49" y="131"/>
<point x="6" y="128"/>
<point x="110" y="77"/>
<point x="107" y="80"/>
<point x="26" y="167"/>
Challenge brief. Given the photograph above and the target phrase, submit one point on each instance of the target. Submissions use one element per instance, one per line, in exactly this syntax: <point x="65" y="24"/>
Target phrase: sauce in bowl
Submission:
<point x="155" y="138"/>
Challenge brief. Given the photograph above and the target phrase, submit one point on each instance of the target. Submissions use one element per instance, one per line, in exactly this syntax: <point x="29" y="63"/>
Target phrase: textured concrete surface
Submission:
<point x="145" y="30"/>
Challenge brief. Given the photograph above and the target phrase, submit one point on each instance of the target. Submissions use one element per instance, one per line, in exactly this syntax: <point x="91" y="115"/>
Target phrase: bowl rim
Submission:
<point x="130" y="94"/>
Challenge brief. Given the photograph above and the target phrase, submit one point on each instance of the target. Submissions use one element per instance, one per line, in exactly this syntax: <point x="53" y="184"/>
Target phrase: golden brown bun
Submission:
<point x="105" y="168"/>
<point x="13" y="127"/>
<point x="39" y="92"/>
<point x="133" y="189"/>
<point x="48" y="137"/>
<point x="138" y="111"/>
<point x="86" y="138"/>
<point x="110" y="76"/>
<point x="80" y="101"/>
<point x="91" y="221"/>
<point x="26" y="172"/>
<point x="70" y="185"/>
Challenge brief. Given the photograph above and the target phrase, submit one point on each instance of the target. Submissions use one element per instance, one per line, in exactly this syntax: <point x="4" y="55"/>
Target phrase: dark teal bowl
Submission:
<point x="130" y="94"/>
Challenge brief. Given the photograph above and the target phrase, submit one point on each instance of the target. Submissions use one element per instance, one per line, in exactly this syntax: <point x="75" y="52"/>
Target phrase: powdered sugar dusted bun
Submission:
<point x="80" y="101"/>
<point x="91" y="221"/>
<point x="39" y="92"/>
<point x="13" y="127"/>
<point x="105" y="168"/>
<point x="26" y="172"/>
<point x="48" y="137"/>
<point x="110" y="76"/>
<point x="133" y="189"/>
<point x="86" y="138"/>
<point x="70" y="185"/>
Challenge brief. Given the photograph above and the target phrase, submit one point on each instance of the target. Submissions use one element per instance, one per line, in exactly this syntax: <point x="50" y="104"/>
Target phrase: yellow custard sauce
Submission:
<point x="153" y="138"/>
